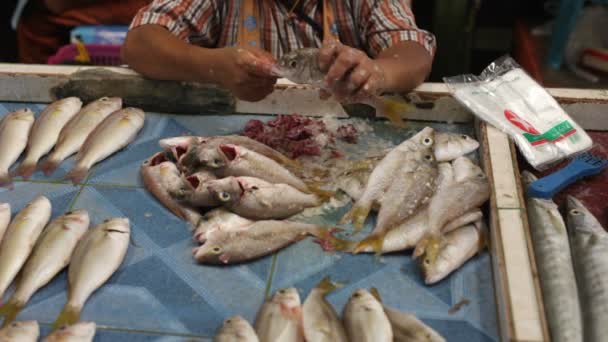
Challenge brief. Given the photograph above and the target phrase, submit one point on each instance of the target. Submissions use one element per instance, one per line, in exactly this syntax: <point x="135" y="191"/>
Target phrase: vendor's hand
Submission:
<point x="247" y="72"/>
<point x="350" y="73"/>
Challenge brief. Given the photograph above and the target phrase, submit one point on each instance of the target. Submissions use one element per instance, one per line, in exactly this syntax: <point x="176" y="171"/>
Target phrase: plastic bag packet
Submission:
<point x="505" y="96"/>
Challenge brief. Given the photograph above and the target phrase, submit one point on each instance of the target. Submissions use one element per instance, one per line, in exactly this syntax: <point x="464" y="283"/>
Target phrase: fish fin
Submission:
<point x="374" y="291"/>
<point x="50" y="165"/>
<point x="327" y="286"/>
<point x="392" y="110"/>
<point x="326" y="238"/>
<point x="290" y="162"/>
<point x="6" y="180"/>
<point x="26" y="169"/>
<point x="357" y="215"/>
<point x="428" y="248"/>
<point x="324" y="195"/>
<point x="77" y="174"/>
<point x="68" y="316"/>
<point x="10" y="311"/>
<point x="374" y="241"/>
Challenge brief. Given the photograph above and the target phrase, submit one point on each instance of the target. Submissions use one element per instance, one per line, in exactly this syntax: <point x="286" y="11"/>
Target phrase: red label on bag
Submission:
<point x="520" y="123"/>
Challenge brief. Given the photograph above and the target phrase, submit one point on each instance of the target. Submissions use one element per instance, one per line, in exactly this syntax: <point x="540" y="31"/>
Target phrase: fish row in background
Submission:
<point x="251" y="184"/>
<point x="29" y="331"/>
<point x="94" y="132"/>
<point x="39" y="251"/>
<point x="364" y="319"/>
<point x="422" y="204"/>
<point x="572" y="262"/>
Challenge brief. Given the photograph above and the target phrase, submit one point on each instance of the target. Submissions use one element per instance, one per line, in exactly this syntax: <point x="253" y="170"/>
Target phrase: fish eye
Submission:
<point x="357" y="294"/>
<point x="428" y="157"/>
<point x="228" y="321"/>
<point x="427" y="141"/>
<point x="282" y="291"/>
<point x="217" y="161"/>
<point x="254" y="188"/>
<point x="216" y="250"/>
<point x="14" y="324"/>
<point x="480" y="175"/>
<point x="575" y="212"/>
<point x="464" y="136"/>
<point x="293" y="63"/>
<point x="224" y="196"/>
<point x="106" y="220"/>
<point x="69" y="213"/>
<point x="104" y="99"/>
<point x="63" y="327"/>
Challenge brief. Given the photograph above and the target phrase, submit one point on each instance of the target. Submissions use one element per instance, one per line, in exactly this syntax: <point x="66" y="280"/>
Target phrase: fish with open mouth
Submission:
<point x="469" y="190"/>
<point x="76" y="131"/>
<point x="79" y="332"/>
<point x="365" y="319"/>
<point x="96" y="257"/>
<point x="20" y="238"/>
<point x="219" y="220"/>
<point x="195" y="190"/>
<point x="20" y="331"/>
<point x="45" y="132"/>
<point x="589" y="243"/>
<point x="161" y="178"/>
<point x="255" y="241"/>
<point x="14" y="132"/>
<point x="51" y="254"/>
<point x="280" y="318"/>
<point x="114" y="133"/>
<point x="319" y="319"/>
<point x="257" y="199"/>
<point x="301" y="66"/>
<point x="236" y="329"/>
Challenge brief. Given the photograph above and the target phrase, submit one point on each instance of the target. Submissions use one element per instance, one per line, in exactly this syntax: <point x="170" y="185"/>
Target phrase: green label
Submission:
<point x="556" y="133"/>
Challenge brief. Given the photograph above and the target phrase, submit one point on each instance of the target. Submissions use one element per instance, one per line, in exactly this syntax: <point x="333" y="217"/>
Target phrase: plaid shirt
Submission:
<point x="369" y="25"/>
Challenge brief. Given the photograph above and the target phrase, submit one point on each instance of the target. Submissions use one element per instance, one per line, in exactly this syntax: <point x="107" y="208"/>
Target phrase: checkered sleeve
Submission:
<point x="190" y="20"/>
<point x="386" y="22"/>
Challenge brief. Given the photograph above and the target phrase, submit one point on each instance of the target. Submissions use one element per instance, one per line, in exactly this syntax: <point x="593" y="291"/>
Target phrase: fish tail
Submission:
<point x="50" y="165"/>
<point x="357" y="215"/>
<point x="6" y="180"/>
<point x="373" y="242"/>
<point x="290" y="162"/>
<point x="10" y="311"/>
<point x="77" y="174"/>
<point x="428" y="248"/>
<point x="325" y="195"/>
<point x="326" y="238"/>
<point x="327" y="286"/>
<point x="392" y="110"/>
<point x="68" y="316"/>
<point x="26" y="169"/>
<point x="374" y="292"/>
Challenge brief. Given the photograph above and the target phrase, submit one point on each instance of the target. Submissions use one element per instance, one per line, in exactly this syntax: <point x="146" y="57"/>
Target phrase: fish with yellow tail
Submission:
<point x="51" y="255"/>
<point x="115" y="132"/>
<point x="319" y="319"/>
<point x="365" y="319"/>
<point x="96" y="257"/>
<point x="280" y="318"/>
<point x="301" y="66"/>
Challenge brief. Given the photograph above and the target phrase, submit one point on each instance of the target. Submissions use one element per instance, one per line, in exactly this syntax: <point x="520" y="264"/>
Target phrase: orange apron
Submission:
<point x="249" y="27"/>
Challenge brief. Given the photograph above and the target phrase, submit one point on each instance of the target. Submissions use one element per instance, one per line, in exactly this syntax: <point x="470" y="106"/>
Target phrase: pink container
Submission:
<point x="99" y="54"/>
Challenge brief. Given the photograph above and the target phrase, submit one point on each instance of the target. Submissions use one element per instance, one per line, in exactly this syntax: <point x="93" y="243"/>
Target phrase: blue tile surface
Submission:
<point x="160" y="293"/>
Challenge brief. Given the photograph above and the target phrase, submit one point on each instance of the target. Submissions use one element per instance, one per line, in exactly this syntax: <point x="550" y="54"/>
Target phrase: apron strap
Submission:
<point x="249" y="30"/>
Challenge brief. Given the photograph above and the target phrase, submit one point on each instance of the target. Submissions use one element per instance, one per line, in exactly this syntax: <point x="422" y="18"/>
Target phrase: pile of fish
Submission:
<point x="247" y="187"/>
<point x="365" y="318"/>
<point x="572" y="259"/>
<point x="29" y="331"/>
<point x="422" y="203"/>
<point x="38" y="250"/>
<point x="94" y="132"/>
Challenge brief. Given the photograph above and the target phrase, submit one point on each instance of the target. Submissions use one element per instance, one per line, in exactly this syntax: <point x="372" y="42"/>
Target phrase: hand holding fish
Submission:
<point x="351" y="74"/>
<point x="247" y="72"/>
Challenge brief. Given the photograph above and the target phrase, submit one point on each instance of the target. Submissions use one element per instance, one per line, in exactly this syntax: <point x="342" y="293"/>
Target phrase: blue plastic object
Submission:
<point x="102" y="34"/>
<point x="583" y="165"/>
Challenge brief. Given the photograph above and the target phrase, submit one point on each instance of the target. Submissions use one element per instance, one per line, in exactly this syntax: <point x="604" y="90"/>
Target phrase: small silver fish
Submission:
<point x="301" y="66"/>
<point x="236" y="329"/>
<point x="76" y="131"/>
<point x="20" y="237"/>
<point x="14" y="132"/>
<point x="96" y="257"/>
<point x="280" y="318"/>
<point x="449" y="146"/>
<point x="589" y="243"/>
<point x="161" y="178"/>
<point x="219" y="220"/>
<point x="115" y="132"/>
<point x="555" y="268"/>
<point x="45" y="132"/>
<point x="79" y="332"/>
<point x="20" y="331"/>
<point x="320" y="321"/>
<point x="50" y="255"/>
<point x="408" y="328"/>
<point x="257" y="199"/>
<point x="365" y="319"/>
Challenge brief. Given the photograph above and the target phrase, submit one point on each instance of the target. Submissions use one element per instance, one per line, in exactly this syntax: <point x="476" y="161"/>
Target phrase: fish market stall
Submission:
<point x="161" y="293"/>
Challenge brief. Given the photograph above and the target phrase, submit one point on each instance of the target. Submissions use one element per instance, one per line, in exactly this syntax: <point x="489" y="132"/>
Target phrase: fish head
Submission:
<point x="24" y="114"/>
<point x="213" y="251"/>
<point x="580" y="219"/>
<point x="226" y="190"/>
<point x="449" y="146"/>
<point x="465" y="169"/>
<point x="179" y="146"/>
<point x="424" y="139"/>
<point x="78" y="217"/>
<point x="116" y="101"/>
<point x="118" y="225"/>
<point x="20" y="330"/>
<point x="288" y="299"/>
<point x="300" y="66"/>
<point x="207" y="155"/>
<point x="5" y="207"/>
<point x="364" y="300"/>
<point x="235" y="325"/>
<point x="84" y="331"/>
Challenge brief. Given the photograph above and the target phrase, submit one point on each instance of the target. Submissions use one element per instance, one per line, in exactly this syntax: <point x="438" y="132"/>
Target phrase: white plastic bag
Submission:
<point x="505" y="96"/>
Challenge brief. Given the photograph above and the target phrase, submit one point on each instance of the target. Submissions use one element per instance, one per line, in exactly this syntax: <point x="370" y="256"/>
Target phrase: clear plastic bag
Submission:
<point x="505" y="96"/>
